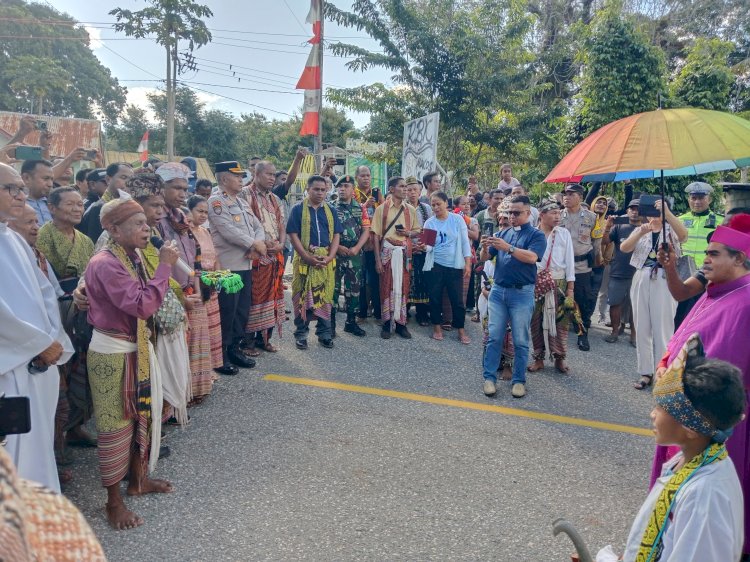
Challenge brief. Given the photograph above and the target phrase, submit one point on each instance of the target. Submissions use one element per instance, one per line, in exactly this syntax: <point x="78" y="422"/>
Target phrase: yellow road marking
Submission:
<point x="606" y="426"/>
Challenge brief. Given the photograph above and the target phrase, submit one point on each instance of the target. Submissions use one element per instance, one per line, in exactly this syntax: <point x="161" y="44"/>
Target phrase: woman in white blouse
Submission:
<point x="559" y="260"/>
<point x="653" y="305"/>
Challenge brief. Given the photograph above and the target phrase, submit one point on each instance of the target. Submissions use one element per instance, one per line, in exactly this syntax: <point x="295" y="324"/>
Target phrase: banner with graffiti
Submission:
<point x="420" y="146"/>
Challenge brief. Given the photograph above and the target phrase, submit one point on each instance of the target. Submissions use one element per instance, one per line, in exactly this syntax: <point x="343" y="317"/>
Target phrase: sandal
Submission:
<point x="465" y="340"/>
<point x="269" y="347"/>
<point x="643" y="384"/>
<point x="535" y="366"/>
<point x="437" y="337"/>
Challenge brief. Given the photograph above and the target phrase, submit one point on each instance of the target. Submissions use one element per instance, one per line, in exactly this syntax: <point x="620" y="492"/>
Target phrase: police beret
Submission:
<point x="230" y="166"/>
<point x="574" y="187"/>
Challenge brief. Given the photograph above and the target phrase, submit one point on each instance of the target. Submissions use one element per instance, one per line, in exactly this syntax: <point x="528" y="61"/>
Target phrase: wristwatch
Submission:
<point x="511" y="250"/>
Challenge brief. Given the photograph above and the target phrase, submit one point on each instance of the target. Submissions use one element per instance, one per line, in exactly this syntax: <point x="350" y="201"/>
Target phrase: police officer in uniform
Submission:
<point x="580" y="222"/>
<point x="700" y="221"/>
<point x="238" y="237"/>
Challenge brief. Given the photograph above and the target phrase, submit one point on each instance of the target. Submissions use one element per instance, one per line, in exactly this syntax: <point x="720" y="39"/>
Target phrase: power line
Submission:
<point x="251" y="76"/>
<point x="302" y="27"/>
<point x="247" y="68"/>
<point x="225" y="76"/>
<point x="132" y="63"/>
<point x="239" y="101"/>
<point x="298" y="92"/>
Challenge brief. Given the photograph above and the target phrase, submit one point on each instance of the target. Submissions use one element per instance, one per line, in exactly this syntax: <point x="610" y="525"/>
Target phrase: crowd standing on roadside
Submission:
<point x="128" y="292"/>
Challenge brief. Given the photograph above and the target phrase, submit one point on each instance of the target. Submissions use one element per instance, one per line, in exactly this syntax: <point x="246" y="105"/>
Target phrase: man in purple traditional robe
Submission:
<point x="722" y="318"/>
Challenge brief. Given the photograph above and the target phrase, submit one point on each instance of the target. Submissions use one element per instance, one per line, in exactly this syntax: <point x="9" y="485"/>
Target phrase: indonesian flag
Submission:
<point x="311" y="80"/>
<point x="311" y="110"/>
<point x="143" y="147"/>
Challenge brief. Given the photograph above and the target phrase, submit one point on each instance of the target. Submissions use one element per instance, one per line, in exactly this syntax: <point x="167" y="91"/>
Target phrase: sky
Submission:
<point x="264" y="40"/>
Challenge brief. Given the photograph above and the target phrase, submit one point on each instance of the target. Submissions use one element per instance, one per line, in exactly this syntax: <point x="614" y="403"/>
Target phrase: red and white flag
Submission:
<point x="311" y="80"/>
<point x="143" y="147"/>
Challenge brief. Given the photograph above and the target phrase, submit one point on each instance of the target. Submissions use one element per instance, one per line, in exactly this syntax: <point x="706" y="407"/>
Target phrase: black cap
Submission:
<point x="98" y="174"/>
<point x="634" y="203"/>
<point x="231" y="166"/>
<point x="575" y="188"/>
<point x="346" y="179"/>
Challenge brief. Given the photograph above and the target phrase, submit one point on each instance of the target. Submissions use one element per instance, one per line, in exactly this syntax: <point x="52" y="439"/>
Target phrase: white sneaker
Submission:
<point x="489" y="387"/>
<point x="518" y="390"/>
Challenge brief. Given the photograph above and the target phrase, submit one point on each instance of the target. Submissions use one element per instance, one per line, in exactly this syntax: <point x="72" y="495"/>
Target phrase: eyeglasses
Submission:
<point x="516" y="213"/>
<point x="14" y="189"/>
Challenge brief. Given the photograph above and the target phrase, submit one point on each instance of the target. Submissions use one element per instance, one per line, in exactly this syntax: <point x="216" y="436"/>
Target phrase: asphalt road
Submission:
<point x="269" y="469"/>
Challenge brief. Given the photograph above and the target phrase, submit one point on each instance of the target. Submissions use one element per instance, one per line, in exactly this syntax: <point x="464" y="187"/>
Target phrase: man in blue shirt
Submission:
<point x="516" y="251"/>
<point x="314" y="229"/>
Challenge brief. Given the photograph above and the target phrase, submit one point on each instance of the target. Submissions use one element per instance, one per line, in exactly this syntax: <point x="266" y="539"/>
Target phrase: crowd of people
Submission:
<point x="126" y="293"/>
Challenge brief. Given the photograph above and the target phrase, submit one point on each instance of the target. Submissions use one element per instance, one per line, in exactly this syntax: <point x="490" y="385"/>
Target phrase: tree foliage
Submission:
<point x="705" y="80"/>
<point x="52" y="62"/>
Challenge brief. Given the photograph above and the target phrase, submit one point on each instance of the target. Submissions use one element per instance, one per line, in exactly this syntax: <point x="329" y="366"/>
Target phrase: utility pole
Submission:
<point x="171" y="78"/>
<point x="318" y="148"/>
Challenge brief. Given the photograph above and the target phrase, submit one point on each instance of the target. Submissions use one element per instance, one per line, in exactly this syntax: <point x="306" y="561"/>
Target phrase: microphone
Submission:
<point x="181" y="265"/>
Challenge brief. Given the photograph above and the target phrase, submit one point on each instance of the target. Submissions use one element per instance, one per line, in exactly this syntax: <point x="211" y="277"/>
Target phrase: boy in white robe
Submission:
<point x="694" y="512"/>
<point x="31" y="339"/>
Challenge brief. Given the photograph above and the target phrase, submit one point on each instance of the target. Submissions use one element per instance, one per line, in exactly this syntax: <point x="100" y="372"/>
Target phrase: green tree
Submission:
<point x="622" y="73"/>
<point x="168" y="21"/>
<point x="705" y="80"/>
<point x="38" y="56"/>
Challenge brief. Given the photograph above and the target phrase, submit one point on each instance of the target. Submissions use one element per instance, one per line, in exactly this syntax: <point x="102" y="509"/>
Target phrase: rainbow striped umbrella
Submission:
<point x="665" y="142"/>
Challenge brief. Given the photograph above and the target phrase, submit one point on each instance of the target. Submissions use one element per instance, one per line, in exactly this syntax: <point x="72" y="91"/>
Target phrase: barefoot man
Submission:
<point x="123" y="373"/>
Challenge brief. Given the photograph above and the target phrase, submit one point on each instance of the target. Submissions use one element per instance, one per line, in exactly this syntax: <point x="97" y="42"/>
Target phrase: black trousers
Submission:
<point x="234" y="309"/>
<point x="452" y="280"/>
<point x="585" y="297"/>
<point x="370" y="290"/>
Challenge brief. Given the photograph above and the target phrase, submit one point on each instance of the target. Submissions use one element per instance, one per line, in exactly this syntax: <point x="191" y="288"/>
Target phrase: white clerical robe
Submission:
<point x="29" y="324"/>
<point x="707" y="517"/>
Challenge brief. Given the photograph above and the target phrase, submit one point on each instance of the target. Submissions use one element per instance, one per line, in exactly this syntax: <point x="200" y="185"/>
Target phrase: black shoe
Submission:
<point x="385" y="333"/>
<point x="301" y="344"/>
<point x="328" y="344"/>
<point x="227" y="369"/>
<point x="352" y="328"/>
<point x="240" y="359"/>
<point x="164" y="452"/>
<point x="173" y="420"/>
<point x="403" y="331"/>
<point x="583" y="342"/>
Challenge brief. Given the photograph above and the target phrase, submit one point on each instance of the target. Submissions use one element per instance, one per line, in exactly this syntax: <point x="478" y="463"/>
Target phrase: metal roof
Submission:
<point x="69" y="133"/>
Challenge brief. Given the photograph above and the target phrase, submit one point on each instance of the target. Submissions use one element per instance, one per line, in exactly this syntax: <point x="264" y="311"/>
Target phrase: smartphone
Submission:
<point x="622" y="220"/>
<point x="399" y="227"/>
<point x="40" y="125"/>
<point x="488" y="229"/>
<point x="91" y="155"/>
<point x="28" y="153"/>
<point x="341" y="161"/>
<point x="450" y="202"/>
<point x="15" y="415"/>
<point x="376" y="193"/>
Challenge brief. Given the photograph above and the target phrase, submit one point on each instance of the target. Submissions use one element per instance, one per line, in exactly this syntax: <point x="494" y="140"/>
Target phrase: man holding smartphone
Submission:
<point x="511" y="298"/>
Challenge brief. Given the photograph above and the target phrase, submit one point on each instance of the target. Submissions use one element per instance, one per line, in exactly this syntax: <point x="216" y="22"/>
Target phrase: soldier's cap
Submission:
<point x="412" y="180"/>
<point x="574" y="188"/>
<point x="345" y="179"/>
<point x="231" y="166"/>
<point x="97" y="175"/>
<point x="634" y="203"/>
<point x="699" y="187"/>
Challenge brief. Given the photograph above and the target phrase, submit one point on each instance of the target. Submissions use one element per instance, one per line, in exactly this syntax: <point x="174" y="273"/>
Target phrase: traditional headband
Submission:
<point x="174" y="170"/>
<point x="733" y="238"/>
<point x="549" y="206"/>
<point x="144" y="185"/>
<point x="669" y="393"/>
<point x="120" y="213"/>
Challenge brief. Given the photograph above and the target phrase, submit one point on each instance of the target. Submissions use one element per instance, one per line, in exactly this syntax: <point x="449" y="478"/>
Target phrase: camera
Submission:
<point x="91" y="155"/>
<point x="40" y="125"/>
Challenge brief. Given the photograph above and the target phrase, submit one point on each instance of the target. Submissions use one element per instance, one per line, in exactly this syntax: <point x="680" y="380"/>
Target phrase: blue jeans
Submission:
<point x="516" y="305"/>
